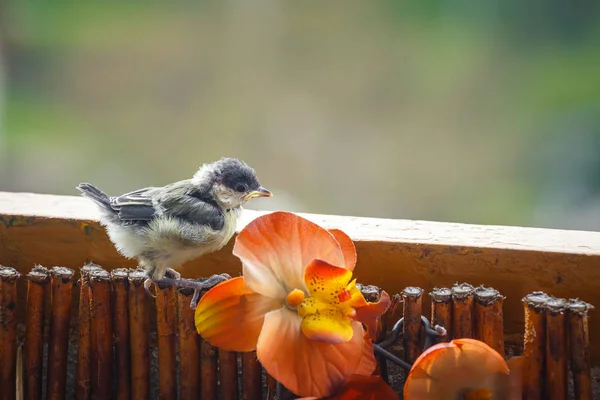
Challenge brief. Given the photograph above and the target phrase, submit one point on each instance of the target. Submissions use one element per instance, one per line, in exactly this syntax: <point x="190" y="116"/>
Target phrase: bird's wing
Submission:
<point x="134" y="206"/>
<point x="196" y="211"/>
<point x="193" y="207"/>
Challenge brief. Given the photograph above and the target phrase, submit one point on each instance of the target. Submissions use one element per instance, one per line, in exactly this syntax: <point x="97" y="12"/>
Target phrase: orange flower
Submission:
<point x="361" y="387"/>
<point x="462" y="368"/>
<point x="295" y="304"/>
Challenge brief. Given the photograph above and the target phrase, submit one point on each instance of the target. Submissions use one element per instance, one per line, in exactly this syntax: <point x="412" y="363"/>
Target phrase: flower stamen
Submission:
<point x="294" y="298"/>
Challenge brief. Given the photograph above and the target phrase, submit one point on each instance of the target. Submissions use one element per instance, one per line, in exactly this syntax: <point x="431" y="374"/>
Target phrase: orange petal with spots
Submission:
<point x="447" y="370"/>
<point x="327" y="282"/>
<point x="357" y="299"/>
<point x="307" y="367"/>
<point x="370" y="313"/>
<point x="348" y="248"/>
<point x="229" y="307"/>
<point x="276" y="248"/>
<point x="328" y="325"/>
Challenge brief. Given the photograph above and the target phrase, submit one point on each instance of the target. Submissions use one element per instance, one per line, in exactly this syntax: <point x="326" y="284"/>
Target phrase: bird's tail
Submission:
<point x="91" y="192"/>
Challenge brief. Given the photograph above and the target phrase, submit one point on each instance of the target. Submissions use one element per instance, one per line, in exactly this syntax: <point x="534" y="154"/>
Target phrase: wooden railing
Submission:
<point x="392" y="254"/>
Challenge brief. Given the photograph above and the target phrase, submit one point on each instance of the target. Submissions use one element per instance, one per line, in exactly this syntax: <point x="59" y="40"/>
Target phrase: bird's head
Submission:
<point x="232" y="182"/>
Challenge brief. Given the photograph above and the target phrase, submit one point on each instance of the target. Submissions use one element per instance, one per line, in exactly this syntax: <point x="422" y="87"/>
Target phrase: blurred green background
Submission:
<point x="466" y="110"/>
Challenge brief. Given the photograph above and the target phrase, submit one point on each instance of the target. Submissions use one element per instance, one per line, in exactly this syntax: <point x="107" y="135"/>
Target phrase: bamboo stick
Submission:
<point x="228" y="374"/>
<point x="37" y="281"/>
<point x="462" y="311"/>
<point x="102" y="332"/>
<point x="8" y="331"/>
<point x="189" y="348"/>
<point x="251" y="377"/>
<point x="534" y="351"/>
<point x="60" y="299"/>
<point x="394" y="312"/>
<point x="489" y="319"/>
<point x="372" y="293"/>
<point x="166" y="331"/>
<point x="271" y="387"/>
<point x="138" y="334"/>
<point x="83" y="380"/>
<point x="441" y="311"/>
<point x="121" y="333"/>
<point x="579" y="348"/>
<point x="411" y="334"/>
<point x="556" y="350"/>
<point x="208" y="371"/>
<point x="389" y="319"/>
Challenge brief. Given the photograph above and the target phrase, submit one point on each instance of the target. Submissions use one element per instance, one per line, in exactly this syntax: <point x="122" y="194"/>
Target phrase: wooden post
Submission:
<point x="8" y="331"/>
<point x="83" y="380"/>
<point x="441" y="311"/>
<point x="271" y="387"/>
<point x="534" y="351"/>
<point x="228" y="374"/>
<point x="138" y="334"/>
<point x="462" y="311"/>
<point x="251" y="377"/>
<point x="489" y="319"/>
<point x="390" y="318"/>
<point x="579" y="348"/>
<point x="60" y="299"/>
<point x="208" y="371"/>
<point x="37" y="281"/>
<point x="189" y="348"/>
<point x="101" y="334"/>
<point x="556" y="350"/>
<point x="166" y="331"/>
<point x="411" y="335"/>
<point x="121" y="333"/>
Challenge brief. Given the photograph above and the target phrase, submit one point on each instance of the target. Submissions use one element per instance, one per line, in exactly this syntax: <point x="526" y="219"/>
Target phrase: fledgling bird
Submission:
<point x="163" y="227"/>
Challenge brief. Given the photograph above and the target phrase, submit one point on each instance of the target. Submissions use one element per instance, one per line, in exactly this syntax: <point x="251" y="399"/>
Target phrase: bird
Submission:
<point x="164" y="227"/>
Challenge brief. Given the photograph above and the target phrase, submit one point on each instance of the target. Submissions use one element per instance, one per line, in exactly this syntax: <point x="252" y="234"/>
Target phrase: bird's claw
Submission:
<point x="195" y="298"/>
<point x="176" y="275"/>
<point x="147" y="284"/>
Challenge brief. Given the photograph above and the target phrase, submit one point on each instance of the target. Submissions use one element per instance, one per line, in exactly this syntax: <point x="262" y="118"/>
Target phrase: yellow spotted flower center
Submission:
<point x="327" y="313"/>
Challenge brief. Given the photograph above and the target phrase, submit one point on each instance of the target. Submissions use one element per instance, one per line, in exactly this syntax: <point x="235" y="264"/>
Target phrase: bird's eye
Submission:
<point x="241" y="188"/>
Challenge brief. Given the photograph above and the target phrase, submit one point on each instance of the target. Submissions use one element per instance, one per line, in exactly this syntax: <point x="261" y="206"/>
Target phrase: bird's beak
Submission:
<point x="261" y="192"/>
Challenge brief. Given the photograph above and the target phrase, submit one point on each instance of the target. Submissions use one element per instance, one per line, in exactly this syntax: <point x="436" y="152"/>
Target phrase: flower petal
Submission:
<point x="369" y="314"/>
<point x="304" y="366"/>
<point x="227" y="308"/>
<point x="367" y="361"/>
<point x="276" y="248"/>
<point x="366" y="388"/>
<point x="326" y="282"/>
<point x="328" y="325"/>
<point x="348" y="248"/>
<point x="448" y="369"/>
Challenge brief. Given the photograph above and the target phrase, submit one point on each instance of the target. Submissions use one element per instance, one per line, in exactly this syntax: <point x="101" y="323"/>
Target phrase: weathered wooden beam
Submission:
<point x="392" y="254"/>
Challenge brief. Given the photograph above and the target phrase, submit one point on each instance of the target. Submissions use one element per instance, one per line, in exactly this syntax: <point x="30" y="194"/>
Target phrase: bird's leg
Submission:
<point x="176" y="275"/>
<point x="196" y="286"/>
<point x="147" y="283"/>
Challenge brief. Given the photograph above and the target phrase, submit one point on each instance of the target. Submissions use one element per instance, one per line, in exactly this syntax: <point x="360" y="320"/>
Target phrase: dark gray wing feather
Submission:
<point x="196" y="211"/>
<point x="134" y="206"/>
